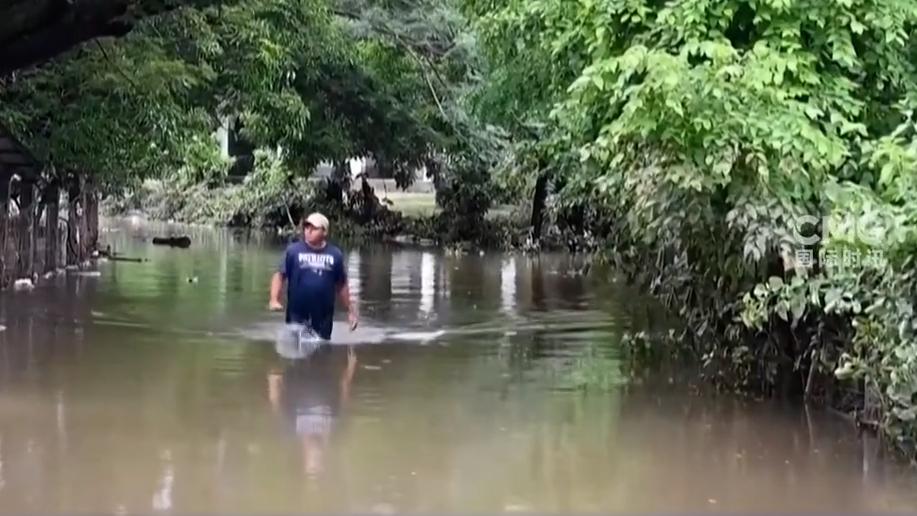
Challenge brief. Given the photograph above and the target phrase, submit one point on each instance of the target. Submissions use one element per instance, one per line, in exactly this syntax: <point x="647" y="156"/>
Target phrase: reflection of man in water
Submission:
<point x="310" y="395"/>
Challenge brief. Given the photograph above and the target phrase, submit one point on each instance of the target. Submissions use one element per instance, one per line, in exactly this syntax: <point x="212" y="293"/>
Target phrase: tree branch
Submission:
<point x="117" y="68"/>
<point x="79" y="22"/>
<point x="422" y="60"/>
<point x="426" y="78"/>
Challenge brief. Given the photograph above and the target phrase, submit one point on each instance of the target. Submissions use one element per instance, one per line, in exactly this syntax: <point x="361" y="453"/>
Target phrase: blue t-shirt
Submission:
<point x="313" y="278"/>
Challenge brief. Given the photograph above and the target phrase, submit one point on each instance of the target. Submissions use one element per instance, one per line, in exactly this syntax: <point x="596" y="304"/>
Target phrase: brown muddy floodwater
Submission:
<point x="158" y="387"/>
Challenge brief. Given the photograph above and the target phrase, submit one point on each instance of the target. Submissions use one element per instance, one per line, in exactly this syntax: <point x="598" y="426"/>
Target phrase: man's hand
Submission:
<point x="345" y="302"/>
<point x="276" y="286"/>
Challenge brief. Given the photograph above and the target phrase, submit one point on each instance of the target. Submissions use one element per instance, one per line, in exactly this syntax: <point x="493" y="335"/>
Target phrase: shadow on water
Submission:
<point x="476" y="383"/>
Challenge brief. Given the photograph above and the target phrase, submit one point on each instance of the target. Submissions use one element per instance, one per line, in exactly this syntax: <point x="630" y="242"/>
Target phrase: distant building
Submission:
<point x="233" y="145"/>
<point x="367" y="166"/>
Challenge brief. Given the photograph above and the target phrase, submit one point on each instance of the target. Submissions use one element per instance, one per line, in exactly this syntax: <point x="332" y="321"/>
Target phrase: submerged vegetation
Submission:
<point x="749" y="163"/>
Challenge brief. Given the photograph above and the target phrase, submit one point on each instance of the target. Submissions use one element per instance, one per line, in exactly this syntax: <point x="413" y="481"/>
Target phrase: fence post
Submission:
<point x="26" y="211"/>
<point x="52" y="214"/>
<point x="35" y="212"/>
<point x="83" y="226"/>
<point x="4" y="223"/>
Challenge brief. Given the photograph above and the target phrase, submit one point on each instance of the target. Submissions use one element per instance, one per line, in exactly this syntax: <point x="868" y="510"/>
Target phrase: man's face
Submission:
<point x="313" y="235"/>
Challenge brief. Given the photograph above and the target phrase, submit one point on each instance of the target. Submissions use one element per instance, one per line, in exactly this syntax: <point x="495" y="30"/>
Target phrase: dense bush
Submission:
<point x="693" y="137"/>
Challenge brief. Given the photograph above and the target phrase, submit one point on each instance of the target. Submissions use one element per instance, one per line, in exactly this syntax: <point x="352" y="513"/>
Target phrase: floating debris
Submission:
<point x="182" y="241"/>
<point x="88" y="274"/>
<point x="23" y="284"/>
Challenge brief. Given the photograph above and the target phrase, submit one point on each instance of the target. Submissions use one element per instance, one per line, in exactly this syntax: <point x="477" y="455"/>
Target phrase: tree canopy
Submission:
<point x="320" y="81"/>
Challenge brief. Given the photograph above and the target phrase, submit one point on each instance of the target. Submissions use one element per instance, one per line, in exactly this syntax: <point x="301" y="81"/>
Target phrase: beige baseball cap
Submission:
<point x="318" y="220"/>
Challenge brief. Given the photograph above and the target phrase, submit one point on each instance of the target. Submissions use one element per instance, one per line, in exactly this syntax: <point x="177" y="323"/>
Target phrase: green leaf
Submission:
<point x="781" y="309"/>
<point x="775" y="282"/>
<point x="813" y="112"/>
<point x="857" y="27"/>
<point x="798" y="307"/>
<point x="887" y="174"/>
<point x="832" y="296"/>
<point x="907" y="415"/>
<point x="844" y="372"/>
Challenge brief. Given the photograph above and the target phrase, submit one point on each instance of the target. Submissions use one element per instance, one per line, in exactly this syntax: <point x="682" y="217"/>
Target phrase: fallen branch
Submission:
<point x="289" y="215"/>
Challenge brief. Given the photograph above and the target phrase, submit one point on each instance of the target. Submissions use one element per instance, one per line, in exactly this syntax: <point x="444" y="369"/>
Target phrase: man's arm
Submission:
<point x="280" y="274"/>
<point x="276" y="289"/>
<point x="344" y="296"/>
<point x="343" y="288"/>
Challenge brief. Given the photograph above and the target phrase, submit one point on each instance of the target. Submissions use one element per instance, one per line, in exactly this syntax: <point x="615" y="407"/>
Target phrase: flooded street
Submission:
<point x="158" y="387"/>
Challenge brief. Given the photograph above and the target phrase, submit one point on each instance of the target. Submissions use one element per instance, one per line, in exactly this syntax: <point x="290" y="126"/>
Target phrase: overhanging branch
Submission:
<point x="48" y="28"/>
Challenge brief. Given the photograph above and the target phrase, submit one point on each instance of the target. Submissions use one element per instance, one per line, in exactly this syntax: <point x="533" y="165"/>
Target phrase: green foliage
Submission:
<point x="85" y="114"/>
<point x="268" y="197"/>
<point x="425" y="46"/>
<point x="291" y="73"/>
<point x="695" y="135"/>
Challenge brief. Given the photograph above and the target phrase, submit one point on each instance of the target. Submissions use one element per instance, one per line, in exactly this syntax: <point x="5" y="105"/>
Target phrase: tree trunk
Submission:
<point x="34" y="232"/>
<point x="52" y="238"/>
<point x="83" y="224"/>
<point x="92" y="216"/>
<point x="26" y="211"/>
<point x="4" y="226"/>
<point x="538" y="205"/>
<point x="73" y="236"/>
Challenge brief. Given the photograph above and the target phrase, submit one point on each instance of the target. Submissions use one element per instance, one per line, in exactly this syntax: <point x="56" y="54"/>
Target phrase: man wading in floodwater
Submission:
<point x="314" y="272"/>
